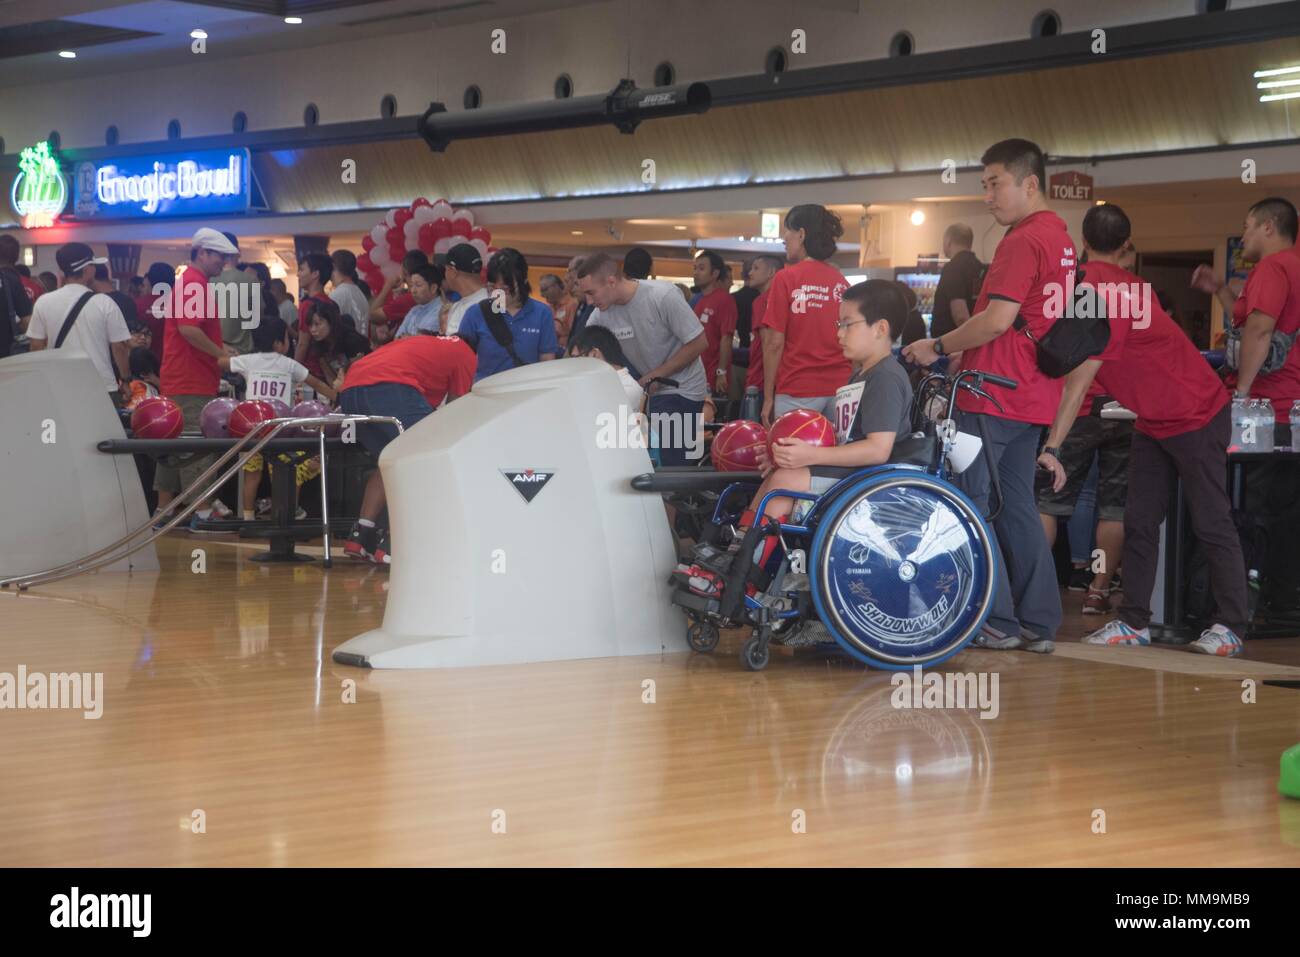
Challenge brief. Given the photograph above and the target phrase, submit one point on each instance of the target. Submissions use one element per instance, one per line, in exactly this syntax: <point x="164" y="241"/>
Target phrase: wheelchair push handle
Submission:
<point x="998" y="380"/>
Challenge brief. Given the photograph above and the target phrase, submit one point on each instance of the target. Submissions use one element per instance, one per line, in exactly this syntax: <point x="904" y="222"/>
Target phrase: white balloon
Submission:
<point x="391" y="218"/>
<point x="444" y="244"/>
<point x="481" y="247"/>
<point x="390" y="270"/>
<point x="464" y="214"/>
<point x="411" y="233"/>
<point x="380" y="235"/>
<point x="379" y="255"/>
<point x="441" y="209"/>
<point x="425" y="214"/>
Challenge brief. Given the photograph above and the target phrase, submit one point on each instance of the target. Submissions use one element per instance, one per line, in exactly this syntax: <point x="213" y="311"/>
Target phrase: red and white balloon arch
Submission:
<point x="432" y="227"/>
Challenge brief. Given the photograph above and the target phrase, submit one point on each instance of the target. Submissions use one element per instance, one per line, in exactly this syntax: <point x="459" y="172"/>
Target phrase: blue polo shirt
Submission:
<point x="532" y="329"/>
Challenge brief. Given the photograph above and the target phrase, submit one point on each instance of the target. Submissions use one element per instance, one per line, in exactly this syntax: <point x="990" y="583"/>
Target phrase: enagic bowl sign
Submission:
<point x="1070" y="185"/>
<point x="169" y="184"/>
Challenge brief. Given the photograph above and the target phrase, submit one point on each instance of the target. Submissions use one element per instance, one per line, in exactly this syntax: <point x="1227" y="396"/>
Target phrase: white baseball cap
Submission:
<point x="208" y="238"/>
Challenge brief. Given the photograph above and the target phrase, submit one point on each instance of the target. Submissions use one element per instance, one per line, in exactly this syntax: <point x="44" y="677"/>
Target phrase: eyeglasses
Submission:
<point x="842" y="324"/>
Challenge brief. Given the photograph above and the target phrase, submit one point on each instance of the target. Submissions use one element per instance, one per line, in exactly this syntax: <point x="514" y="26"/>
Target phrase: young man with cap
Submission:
<point x="1035" y="257"/>
<point x="230" y="297"/>
<point x="190" y="374"/>
<point x="463" y="268"/>
<point x="15" y="300"/>
<point x="1183" y="428"/>
<point x="75" y="316"/>
<point x="662" y="338"/>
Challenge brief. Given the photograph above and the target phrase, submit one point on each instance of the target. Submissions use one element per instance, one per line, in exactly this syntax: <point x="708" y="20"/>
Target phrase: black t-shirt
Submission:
<point x="14" y="304"/>
<point x="127" y="305"/>
<point x="745" y="313"/>
<point x="960" y="279"/>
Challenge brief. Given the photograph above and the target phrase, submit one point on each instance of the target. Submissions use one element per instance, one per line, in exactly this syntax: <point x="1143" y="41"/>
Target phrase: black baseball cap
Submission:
<point x="74" y="257"/>
<point x="463" y="256"/>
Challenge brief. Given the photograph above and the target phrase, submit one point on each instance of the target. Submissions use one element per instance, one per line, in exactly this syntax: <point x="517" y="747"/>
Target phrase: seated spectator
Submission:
<point x="331" y="344"/>
<point x="145" y="380"/>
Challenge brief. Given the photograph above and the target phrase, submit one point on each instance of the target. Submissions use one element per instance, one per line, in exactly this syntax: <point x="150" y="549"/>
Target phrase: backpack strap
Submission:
<point x="72" y="318"/>
<point x="496" y="324"/>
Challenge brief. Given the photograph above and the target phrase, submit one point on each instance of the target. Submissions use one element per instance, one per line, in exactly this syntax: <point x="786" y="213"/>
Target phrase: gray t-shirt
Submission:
<point x="878" y="400"/>
<point x="654" y="324"/>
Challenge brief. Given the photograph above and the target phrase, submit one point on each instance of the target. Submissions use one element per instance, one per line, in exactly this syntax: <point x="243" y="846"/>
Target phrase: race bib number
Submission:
<point x="846" y="409"/>
<point x="267" y="387"/>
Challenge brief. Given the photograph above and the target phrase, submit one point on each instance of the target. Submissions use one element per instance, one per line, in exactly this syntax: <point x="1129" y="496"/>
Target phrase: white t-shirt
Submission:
<point x="99" y="324"/>
<point x="462" y="306"/>
<point x="352" y="302"/>
<point x="635" y="394"/>
<point x="269" y="375"/>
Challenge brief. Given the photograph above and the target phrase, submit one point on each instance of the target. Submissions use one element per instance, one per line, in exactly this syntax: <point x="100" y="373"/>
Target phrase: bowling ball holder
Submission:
<point x="898" y="565"/>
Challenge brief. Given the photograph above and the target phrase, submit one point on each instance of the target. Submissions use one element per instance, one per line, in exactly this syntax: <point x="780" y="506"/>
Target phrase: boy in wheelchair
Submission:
<point x="872" y="412"/>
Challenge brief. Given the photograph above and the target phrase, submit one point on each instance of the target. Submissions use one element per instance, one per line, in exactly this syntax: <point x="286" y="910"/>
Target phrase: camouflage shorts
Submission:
<point x="1109" y="440"/>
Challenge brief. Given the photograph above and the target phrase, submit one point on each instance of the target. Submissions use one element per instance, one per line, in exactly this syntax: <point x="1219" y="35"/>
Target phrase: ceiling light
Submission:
<point x="576" y="232"/>
<point x="918" y="217"/>
<point x="1285" y="69"/>
<point x="682" y="228"/>
<point x="293" y="20"/>
<point x="1279" y="96"/>
<point x="67" y="54"/>
<point x="1273" y="84"/>
<point x="199" y="34"/>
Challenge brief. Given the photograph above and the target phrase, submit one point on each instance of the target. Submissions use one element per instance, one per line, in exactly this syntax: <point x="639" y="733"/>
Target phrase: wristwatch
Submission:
<point x="1053" y="451"/>
<point x="721" y="372"/>
<point x="938" y="346"/>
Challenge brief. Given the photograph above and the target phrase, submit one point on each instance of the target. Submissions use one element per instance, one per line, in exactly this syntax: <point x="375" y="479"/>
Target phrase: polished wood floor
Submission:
<point x="220" y="698"/>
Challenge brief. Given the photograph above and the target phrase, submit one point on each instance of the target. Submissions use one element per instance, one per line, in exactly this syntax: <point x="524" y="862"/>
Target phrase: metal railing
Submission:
<point x="123" y="547"/>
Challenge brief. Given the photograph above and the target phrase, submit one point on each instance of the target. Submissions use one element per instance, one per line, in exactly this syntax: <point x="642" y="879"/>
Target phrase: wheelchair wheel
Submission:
<point x="702" y="637"/>
<point x="902" y="569"/>
<point x="754" y="655"/>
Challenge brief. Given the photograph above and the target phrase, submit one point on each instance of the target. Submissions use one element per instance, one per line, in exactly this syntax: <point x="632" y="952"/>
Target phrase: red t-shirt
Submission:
<point x="1031" y="265"/>
<point x="396" y="308"/>
<point x="157" y="327"/>
<point x="717" y="313"/>
<point x="1155" y="371"/>
<point x="186" y="370"/>
<point x="33" y="288"/>
<point x="433" y="365"/>
<point x="755" y="375"/>
<point x="804" y="303"/>
<point x="1273" y="288"/>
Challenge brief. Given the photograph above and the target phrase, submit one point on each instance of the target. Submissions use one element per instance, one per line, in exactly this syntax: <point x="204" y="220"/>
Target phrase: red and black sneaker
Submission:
<point x="701" y="581"/>
<point x="383" y="551"/>
<point x="361" y="543"/>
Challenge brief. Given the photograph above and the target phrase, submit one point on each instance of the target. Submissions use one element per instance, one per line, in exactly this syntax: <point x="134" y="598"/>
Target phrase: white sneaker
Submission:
<point x="1219" y="640"/>
<point x="221" y="511"/>
<point x="1116" y="633"/>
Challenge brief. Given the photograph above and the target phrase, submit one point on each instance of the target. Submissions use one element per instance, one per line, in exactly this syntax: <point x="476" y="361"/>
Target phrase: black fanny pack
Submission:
<point x="1080" y="334"/>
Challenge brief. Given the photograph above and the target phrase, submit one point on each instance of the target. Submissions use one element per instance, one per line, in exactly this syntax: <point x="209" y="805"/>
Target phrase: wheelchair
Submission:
<point x="892" y="564"/>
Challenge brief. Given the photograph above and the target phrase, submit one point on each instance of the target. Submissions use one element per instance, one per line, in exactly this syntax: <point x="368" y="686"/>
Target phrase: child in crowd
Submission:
<point x="597" y="342"/>
<point x="872" y="411"/>
<point x="272" y="374"/>
<point x="145" y="370"/>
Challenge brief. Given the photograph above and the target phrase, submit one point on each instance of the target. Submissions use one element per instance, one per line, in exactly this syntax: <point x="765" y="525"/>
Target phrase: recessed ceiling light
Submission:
<point x="199" y="34"/>
<point x="67" y="54"/>
<point x="682" y="228"/>
<point x="293" y="20"/>
<point x="1100" y="202"/>
<point x="918" y="217"/>
<point x="576" y="232"/>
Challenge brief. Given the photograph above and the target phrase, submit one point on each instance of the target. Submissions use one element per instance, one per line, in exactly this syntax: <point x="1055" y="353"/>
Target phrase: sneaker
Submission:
<point x="1218" y="640"/>
<point x="383" y="554"/>
<point x="1039" y="646"/>
<point x="1096" y="602"/>
<point x="1116" y="633"/>
<point x="194" y="524"/>
<point x="990" y="637"/>
<point x="361" y="543"/>
<point x="262" y="507"/>
<point x="1080" y="578"/>
<point x="220" y="511"/>
<point x="299" y="514"/>
<point x="701" y="581"/>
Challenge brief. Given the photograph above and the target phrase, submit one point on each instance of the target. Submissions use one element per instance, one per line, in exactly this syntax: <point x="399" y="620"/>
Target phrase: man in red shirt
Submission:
<point x="1183" y="427"/>
<point x="1266" y="316"/>
<point x="1033" y="263"/>
<point x="190" y="375"/>
<point x="407" y="379"/>
<point x="803" y="364"/>
<point x="717" y="313"/>
<point x="761" y="273"/>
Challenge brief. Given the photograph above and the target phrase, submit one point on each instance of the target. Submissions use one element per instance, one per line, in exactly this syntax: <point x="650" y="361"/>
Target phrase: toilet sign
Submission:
<point x="1070" y="185"/>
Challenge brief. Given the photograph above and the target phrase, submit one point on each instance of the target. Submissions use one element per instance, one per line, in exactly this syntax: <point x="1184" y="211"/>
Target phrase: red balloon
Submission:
<point x="735" y="447"/>
<point x="249" y="415"/>
<point x="420" y="201"/>
<point x="478" y="232"/>
<point x="461" y="227"/>
<point x="805" y="424"/>
<point x="364" y="263"/>
<point x="441" y="228"/>
<point x="426" y="239"/>
<point x="157" y="418"/>
<point x="397" y="253"/>
<point x="367" y="243"/>
<point x="395" y="237"/>
<point x="402" y="217"/>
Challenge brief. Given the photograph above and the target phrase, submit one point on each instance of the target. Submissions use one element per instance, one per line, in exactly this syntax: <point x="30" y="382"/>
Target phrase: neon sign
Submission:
<point x="39" y="192"/>
<point x="175" y="184"/>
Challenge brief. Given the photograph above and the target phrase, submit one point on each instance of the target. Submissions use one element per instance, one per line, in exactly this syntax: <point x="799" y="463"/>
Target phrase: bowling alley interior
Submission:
<point x="547" y="433"/>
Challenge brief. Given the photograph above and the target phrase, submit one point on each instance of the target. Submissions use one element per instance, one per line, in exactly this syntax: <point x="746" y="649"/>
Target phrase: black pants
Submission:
<point x="1200" y="460"/>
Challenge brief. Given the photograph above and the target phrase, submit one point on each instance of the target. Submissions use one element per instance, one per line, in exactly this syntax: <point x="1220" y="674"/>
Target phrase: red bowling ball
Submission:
<point x="249" y="416"/>
<point x="157" y="418"/>
<point x="735" y="447"/>
<point x="805" y="424"/>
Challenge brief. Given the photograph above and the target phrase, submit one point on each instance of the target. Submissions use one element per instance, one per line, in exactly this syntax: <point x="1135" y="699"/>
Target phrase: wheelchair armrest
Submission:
<point x="691" y="480"/>
<point x="915" y="450"/>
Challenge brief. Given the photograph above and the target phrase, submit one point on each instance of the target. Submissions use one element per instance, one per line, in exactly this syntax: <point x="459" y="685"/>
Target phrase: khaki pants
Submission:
<point x="177" y="472"/>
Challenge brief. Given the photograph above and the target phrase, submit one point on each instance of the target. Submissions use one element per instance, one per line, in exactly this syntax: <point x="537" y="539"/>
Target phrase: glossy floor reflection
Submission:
<point x="220" y="698"/>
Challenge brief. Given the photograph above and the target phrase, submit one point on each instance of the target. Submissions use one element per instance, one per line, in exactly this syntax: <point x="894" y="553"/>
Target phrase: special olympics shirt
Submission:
<point x="1032" y="264"/>
<point x="1156" y="371"/>
<point x="804" y="303"/>
<point x="269" y="375"/>
<point x="878" y="399"/>
<point x="754" y="376"/>
<point x="432" y="365"/>
<point x="1273" y="288"/>
<point x="717" y="313"/>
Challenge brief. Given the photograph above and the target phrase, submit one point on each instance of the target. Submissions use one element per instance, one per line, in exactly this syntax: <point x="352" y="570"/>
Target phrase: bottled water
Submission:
<point x="1242" y="431"/>
<point x="1264" y="430"/>
<point x="1295" y="426"/>
<point x="752" y="404"/>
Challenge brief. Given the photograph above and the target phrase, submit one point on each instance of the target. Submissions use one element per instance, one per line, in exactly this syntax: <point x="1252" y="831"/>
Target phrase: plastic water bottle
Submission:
<point x="1265" y="429"/>
<point x="1295" y="426"/>
<point x="1238" y="443"/>
<point x="751" y="407"/>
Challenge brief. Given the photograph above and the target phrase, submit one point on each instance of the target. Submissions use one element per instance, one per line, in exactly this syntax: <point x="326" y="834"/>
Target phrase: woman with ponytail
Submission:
<point x="509" y="329"/>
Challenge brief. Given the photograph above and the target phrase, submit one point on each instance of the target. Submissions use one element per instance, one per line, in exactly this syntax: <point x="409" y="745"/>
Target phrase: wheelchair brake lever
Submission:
<point x="984" y="395"/>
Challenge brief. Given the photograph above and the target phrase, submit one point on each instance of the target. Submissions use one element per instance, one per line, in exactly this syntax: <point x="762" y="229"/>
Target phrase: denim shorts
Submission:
<point x="402" y="402"/>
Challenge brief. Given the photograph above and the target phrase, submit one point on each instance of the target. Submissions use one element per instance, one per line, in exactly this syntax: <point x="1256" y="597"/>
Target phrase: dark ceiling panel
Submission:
<point x="46" y="36"/>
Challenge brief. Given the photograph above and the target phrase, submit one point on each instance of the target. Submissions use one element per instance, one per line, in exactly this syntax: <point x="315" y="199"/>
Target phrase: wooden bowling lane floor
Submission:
<point x="220" y="697"/>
